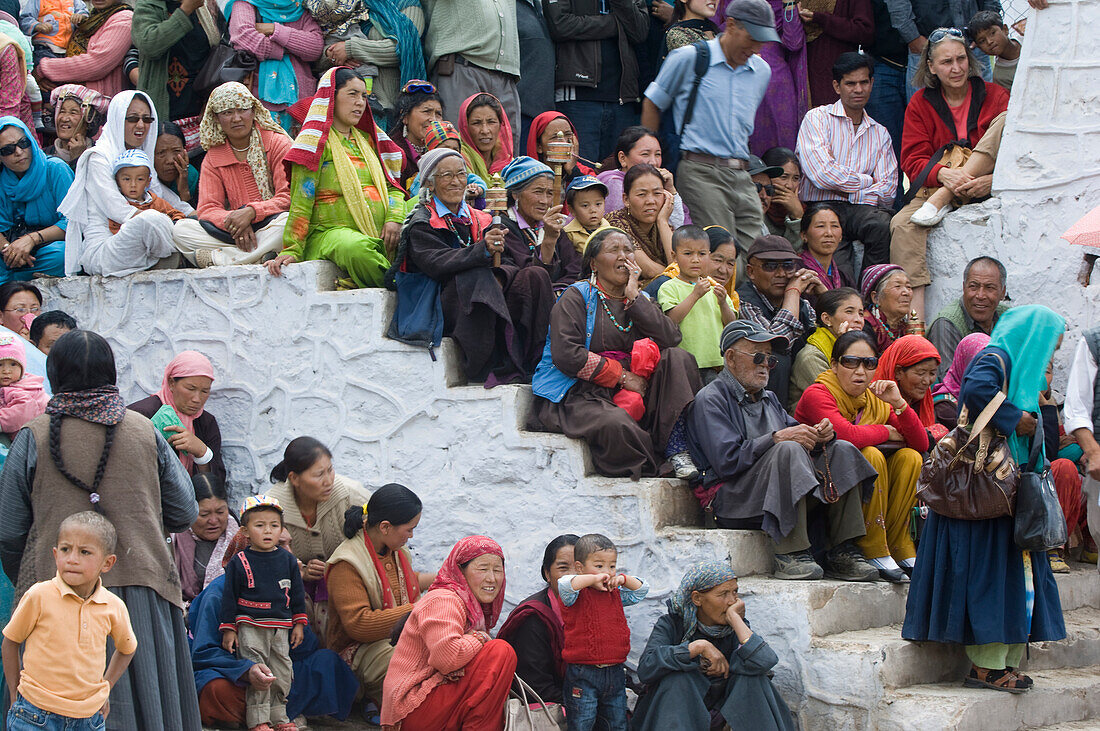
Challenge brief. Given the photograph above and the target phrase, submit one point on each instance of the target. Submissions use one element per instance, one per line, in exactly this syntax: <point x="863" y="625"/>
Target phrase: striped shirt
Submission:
<point x="843" y="162"/>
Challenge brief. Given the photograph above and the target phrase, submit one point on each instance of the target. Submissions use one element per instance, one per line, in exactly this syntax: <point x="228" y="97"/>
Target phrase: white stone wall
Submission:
<point x="1047" y="176"/>
<point x="294" y="358"/>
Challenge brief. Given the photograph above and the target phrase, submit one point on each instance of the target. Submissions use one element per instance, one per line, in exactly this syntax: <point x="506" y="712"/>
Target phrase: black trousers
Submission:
<point x="869" y="225"/>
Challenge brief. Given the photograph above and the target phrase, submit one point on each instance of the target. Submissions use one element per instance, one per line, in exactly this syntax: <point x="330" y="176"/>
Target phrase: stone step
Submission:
<point x="1059" y="696"/>
<point x="749" y="551"/>
<point x="879" y="657"/>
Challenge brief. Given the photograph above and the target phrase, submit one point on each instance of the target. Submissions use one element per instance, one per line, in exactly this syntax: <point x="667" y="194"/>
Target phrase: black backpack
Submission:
<point x="672" y="138"/>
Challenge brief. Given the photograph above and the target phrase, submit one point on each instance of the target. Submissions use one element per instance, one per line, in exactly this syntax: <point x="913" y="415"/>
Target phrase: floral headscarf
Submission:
<point x="702" y="576"/>
<point x="234" y="95"/>
<point x="479" y="616"/>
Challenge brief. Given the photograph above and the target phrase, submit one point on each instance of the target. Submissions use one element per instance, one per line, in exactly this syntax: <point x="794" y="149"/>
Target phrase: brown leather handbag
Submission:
<point x="971" y="474"/>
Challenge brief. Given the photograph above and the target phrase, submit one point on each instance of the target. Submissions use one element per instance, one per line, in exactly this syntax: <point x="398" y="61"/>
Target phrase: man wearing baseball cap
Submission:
<point x="715" y="117"/>
<point x="764" y="470"/>
<point x="772" y="297"/>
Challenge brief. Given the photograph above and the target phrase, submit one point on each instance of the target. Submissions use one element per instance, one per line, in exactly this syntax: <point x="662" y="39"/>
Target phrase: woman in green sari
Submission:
<point x="345" y="203"/>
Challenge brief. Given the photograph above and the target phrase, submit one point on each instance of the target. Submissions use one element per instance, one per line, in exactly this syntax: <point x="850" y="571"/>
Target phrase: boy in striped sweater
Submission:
<point x="264" y="611"/>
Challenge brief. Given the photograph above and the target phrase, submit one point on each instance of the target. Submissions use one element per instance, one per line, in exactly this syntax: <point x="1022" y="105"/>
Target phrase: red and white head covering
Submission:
<point x="316" y="119"/>
<point x="479" y="616"/>
<point x="186" y="364"/>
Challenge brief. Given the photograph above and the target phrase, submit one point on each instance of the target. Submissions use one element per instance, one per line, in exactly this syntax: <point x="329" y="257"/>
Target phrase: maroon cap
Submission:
<point x="771" y="247"/>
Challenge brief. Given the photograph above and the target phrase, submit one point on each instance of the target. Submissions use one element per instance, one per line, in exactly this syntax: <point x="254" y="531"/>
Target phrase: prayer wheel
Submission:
<point x="559" y="151"/>
<point x="916" y="325"/>
<point x="496" y="200"/>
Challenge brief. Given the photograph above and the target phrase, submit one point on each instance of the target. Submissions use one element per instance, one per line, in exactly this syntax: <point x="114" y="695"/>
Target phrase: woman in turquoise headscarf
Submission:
<point x="32" y="186"/>
<point x="971" y="584"/>
<point x="287" y="40"/>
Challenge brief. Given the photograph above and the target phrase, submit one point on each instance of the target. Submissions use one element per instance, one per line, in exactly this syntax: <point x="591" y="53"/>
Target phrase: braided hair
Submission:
<point x="80" y="360"/>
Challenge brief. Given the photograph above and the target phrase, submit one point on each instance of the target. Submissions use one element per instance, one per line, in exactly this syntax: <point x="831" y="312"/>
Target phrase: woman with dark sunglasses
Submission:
<point x="416" y="108"/>
<point x="32" y="232"/>
<point x="874" y="416"/>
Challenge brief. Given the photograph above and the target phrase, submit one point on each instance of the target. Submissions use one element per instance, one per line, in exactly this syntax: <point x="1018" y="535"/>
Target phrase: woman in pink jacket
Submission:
<point x="95" y="51"/>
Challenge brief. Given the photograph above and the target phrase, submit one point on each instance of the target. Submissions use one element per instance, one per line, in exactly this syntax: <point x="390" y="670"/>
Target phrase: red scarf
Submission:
<point x="539" y="125"/>
<point x="404" y="571"/>
<point x="478" y="616"/>
<point x="904" y="352"/>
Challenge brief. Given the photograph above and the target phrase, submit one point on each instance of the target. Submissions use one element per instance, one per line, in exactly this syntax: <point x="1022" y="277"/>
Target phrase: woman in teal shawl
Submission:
<point x="972" y="585"/>
<point x="32" y="186"/>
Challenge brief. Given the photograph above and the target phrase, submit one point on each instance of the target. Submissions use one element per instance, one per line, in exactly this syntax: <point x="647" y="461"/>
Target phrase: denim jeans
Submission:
<point x="887" y="107"/>
<point x="25" y="716"/>
<point x="598" y="125"/>
<point x="595" y="698"/>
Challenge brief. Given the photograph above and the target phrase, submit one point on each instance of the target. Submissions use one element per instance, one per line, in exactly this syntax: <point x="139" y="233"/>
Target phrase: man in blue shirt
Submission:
<point x="713" y="176"/>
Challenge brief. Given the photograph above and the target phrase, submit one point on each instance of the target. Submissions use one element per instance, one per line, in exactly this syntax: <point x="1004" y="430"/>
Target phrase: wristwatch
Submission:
<point x="900" y="411"/>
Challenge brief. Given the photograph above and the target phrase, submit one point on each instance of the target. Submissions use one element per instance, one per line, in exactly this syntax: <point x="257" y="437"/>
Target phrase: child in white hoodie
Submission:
<point x="22" y="396"/>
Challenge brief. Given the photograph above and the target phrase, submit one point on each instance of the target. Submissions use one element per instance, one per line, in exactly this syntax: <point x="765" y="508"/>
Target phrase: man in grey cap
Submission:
<point x="763" y="470"/>
<point x="715" y="117"/>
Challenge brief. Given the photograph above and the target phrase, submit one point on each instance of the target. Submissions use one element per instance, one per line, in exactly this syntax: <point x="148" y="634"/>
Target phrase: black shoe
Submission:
<point x="846" y="563"/>
<point x="894" y="576"/>
<point x="908" y="570"/>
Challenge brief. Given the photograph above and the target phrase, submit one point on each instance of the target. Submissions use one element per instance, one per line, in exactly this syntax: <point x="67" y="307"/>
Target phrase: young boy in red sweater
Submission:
<point x="597" y="639"/>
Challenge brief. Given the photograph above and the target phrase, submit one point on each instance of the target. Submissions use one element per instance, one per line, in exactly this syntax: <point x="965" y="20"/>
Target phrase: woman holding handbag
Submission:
<point x="972" y="585"/>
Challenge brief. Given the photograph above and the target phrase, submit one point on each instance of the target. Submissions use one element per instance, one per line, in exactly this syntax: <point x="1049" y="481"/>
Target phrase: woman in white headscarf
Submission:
<point x="94" y="198"/>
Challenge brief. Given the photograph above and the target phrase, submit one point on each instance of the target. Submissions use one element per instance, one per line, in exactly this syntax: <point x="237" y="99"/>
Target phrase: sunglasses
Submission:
<point x="769" y="189"/>
<point x="135" y="118"/>
<point x="942" y="33"/>
<point x="413" y="86"/>
<point x="761" y="358"/>
<point x="22" y="144"/>
<point x="789" y="266"/>
<point x="851" y="362"/>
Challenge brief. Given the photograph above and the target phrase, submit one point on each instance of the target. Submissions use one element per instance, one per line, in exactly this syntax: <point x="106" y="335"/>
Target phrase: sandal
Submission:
<point x="1003" y="680"/>
<point x="1025" y="680"/>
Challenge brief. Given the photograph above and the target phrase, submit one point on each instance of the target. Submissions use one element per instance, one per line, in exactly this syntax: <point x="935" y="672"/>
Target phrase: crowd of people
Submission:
<point x="710" y="262"/>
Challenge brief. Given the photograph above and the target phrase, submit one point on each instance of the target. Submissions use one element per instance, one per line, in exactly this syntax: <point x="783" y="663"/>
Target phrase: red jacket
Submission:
<point x="817" y="403"/>
<point x="928" y="125"/>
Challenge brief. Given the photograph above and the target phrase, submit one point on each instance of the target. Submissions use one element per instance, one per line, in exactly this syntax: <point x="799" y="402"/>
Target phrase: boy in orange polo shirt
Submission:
<point x="63" y="624"/>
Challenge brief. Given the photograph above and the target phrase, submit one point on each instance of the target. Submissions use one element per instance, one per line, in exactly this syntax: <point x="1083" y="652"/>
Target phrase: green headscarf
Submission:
<point x="1029" y="335"/>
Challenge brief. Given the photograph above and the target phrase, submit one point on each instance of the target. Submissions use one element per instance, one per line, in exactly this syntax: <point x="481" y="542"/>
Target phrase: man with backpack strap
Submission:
<point x="715" y="112"/>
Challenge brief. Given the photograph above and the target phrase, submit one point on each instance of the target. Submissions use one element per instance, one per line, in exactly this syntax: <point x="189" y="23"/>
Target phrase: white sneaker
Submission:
<point x="928" y="215"/>
<point x="684" y="466"/>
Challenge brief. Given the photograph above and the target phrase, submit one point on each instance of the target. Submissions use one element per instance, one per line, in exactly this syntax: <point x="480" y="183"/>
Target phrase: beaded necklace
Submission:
<point x="464" y="242"/>
<point x="603" y="301"/>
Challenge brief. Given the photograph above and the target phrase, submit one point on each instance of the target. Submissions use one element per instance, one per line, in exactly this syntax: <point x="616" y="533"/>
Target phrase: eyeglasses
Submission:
<point x="24" y="310"/>
<point x="769" y="189"/>
<point x="447" y="176"/>
<point x="760" y="358"/>
<point x="135" y="118"/>
<point x="8" y="150"/>
<point x="942" y="33"/>
<point x="413" y="86"/>
<point x="789" y="266"/>
<point x="851" y="362"/>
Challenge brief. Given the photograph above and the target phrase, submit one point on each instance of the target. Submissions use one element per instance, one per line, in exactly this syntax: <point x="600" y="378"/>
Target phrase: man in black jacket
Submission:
<point x="536" y="58"/>
<point x="597" y="71"/>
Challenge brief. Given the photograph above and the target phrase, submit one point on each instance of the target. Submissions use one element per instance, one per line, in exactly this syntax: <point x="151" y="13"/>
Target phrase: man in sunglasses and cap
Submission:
<point x="715" y="117"/>
<point x="764" y="470"/>
<point x="772" y="297"/>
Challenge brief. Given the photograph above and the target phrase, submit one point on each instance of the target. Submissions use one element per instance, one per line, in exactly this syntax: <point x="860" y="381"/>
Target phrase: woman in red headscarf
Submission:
<point x="911" y="361"/>
<point x="486" y="135"/>
<point x="543" y="130"/>
<point x="186" y="387"/>
<point x="446" y="673"/>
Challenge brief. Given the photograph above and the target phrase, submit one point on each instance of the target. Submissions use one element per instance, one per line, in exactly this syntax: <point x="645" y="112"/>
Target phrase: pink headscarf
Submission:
<point x="967" y="348"/>
<point x="503" y="150"/>
<point x="186" y="364"/>
<point x="478" y="616"/>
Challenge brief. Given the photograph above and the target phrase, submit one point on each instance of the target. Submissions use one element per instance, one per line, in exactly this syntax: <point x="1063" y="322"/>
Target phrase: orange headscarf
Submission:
<point x="904" y="352"/>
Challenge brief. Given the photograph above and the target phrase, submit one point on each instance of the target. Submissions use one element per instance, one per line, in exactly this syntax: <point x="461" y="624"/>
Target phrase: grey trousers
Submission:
<point x="721" y="196"/>
<point x="1091" y="488"/>
<point x="469" y="80"/>
<point x="843" y="522"/>
<point x="271" y="647"/>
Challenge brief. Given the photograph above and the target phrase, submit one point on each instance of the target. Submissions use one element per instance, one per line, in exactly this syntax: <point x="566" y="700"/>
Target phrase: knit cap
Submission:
<point x="252" y="502"/>
<point x="872" y="275"/>
<point x="11" y="348"/>
<point x="439" y="132"/>
<point x="522" y="169"/>
<point x="135" y="158"/>
<point x="431" y="159"/>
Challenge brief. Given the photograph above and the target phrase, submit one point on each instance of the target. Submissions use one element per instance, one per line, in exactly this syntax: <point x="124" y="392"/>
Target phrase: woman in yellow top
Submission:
<point x="345" y="203"/>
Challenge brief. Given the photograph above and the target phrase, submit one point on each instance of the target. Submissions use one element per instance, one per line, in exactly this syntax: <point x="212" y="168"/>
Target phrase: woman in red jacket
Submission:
<point x="874" y="416"/>
<point x="953" y="105"/>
